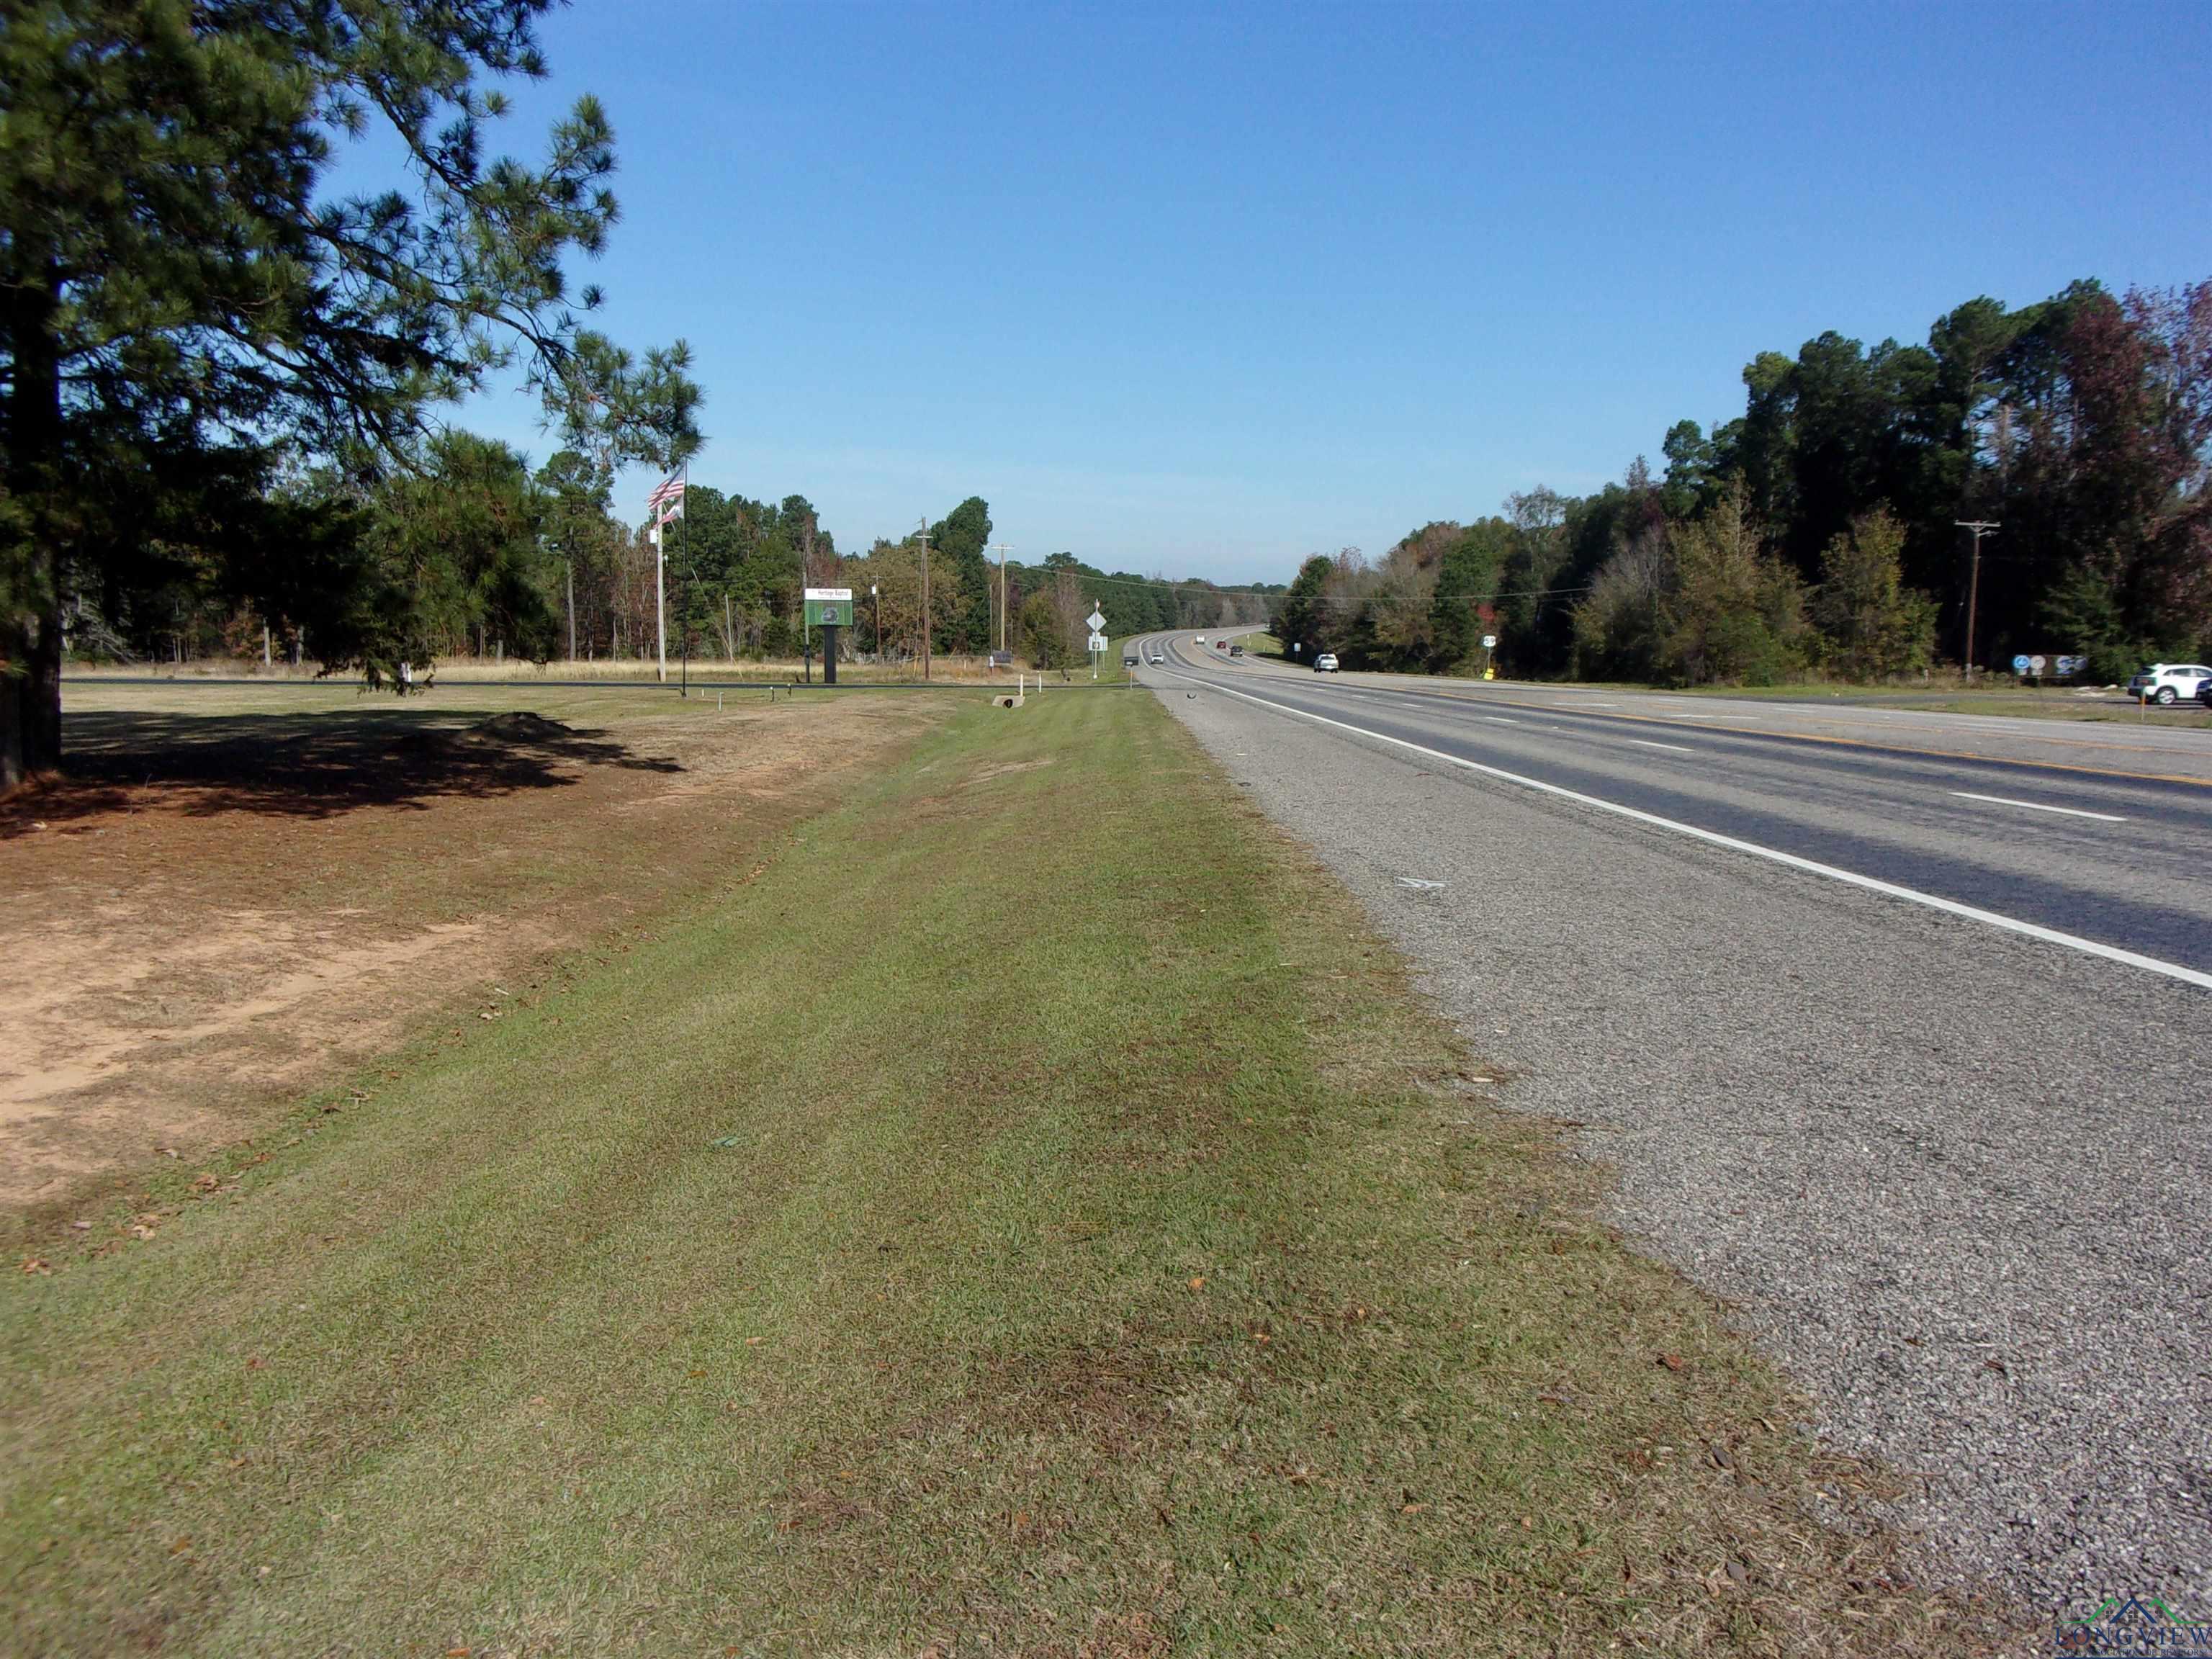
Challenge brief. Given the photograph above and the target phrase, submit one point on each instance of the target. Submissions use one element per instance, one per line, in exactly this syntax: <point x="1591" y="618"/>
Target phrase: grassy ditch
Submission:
<point x="1027" y="1213"/>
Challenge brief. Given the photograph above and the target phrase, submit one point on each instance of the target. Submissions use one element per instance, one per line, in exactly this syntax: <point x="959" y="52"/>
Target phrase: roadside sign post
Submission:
<point x="1096" y="621"/>
<point x="828" y="609"/>
<point x="1489" y="645"/>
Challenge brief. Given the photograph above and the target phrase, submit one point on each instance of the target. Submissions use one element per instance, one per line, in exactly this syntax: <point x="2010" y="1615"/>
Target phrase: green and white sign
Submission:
<point x="828" y="607"/>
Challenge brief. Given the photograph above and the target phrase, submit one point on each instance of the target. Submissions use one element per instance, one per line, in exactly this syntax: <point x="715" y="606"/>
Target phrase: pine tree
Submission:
<point x="183" y="308"/>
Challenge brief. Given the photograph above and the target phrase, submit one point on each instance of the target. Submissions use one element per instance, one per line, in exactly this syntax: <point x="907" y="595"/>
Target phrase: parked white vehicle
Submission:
<point x="2169" y="682"/>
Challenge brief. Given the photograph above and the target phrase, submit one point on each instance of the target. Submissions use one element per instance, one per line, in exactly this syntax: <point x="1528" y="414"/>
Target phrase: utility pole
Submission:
<point x="1002" y="550"/>
<point x="572" y="610"/>
<point x="1981" y="527"/>
<point x="925" y="598"/>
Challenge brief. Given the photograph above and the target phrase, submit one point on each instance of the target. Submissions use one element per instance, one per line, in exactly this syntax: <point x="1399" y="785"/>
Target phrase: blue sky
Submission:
<point x="1199" y="290"/>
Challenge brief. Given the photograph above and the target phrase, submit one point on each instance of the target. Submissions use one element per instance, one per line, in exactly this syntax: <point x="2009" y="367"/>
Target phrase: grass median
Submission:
<point x="1027" y="1212"/>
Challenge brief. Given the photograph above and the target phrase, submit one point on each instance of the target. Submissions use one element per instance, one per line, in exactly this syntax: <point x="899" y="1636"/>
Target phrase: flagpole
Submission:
<point x="683" y="499"/>
<point x="659" y="596"/>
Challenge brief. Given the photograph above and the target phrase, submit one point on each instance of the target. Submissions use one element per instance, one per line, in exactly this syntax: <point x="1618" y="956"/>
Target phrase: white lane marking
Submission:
<point x="1500" y="720"/>
<point x="1713" y="838"/>
<point x="1646" y="743"/>
<point x="2038" y="807"/>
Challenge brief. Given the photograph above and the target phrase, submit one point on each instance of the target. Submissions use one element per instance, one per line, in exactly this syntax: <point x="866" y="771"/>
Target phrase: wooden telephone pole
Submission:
<point x="1002" y="550"/>
<point x="925" y="598"/>
<point x="1981" y="527"/>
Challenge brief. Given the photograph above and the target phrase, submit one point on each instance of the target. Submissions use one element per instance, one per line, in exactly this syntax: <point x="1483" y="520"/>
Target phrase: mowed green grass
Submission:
<point x="1031" y="1215"/>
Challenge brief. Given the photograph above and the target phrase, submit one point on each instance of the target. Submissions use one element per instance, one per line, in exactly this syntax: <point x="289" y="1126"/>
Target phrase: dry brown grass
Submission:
<point x="950" y="668"/>
<point x="241" y="891"/>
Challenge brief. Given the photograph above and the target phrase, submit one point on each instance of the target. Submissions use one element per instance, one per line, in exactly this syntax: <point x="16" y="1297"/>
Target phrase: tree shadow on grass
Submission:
<point x="308" y="766"/>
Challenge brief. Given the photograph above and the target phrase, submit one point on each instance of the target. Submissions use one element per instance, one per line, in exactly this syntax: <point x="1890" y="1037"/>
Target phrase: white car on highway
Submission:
<point x="1325" y="663"/>
<point x="2169" y="682"/>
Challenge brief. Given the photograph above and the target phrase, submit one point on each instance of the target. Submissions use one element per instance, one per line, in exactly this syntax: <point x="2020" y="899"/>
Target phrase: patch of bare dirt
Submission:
<point x="237" y="897"/>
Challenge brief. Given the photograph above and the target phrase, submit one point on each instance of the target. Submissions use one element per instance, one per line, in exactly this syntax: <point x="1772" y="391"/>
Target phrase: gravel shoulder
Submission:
<point x="1953" y="1180"/>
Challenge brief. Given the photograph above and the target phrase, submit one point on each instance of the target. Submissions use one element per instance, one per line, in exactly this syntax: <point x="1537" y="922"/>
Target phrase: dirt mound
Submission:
<point x="520" y="726"/>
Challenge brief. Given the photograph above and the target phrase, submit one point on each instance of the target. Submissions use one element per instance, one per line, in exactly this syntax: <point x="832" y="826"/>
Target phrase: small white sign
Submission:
<point x="1095" y="621"/>
<point x="839" y="595"/>
<point x="1098" y="642"/>
<point x="1490" y="642"/>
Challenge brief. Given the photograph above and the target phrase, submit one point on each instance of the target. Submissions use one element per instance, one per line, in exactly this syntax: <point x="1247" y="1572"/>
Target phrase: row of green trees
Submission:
<point x="1038" y="608"/>
<point x="466" y="551"/>
<point x="1818" y="531"/>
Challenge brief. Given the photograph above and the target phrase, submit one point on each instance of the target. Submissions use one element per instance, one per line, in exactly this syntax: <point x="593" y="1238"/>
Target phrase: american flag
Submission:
<point x="667" y="499"/>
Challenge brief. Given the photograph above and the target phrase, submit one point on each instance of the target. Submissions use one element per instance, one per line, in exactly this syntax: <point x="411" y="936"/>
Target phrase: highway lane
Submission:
<point x="1952" y="1176"/>
<point x="2117" y="855"/>
<point x="2153" y="742"/>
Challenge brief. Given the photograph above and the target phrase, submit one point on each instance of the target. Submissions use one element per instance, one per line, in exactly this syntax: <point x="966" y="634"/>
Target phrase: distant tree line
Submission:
<point x="466" y="551"/>
<point x="1818" y="530"/>
<point x="1043" y="605"/>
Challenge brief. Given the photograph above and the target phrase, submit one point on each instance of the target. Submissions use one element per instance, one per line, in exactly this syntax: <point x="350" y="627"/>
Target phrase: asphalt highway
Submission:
<point x="1896" y="1031"/>
<point x="2103" y="835"/>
